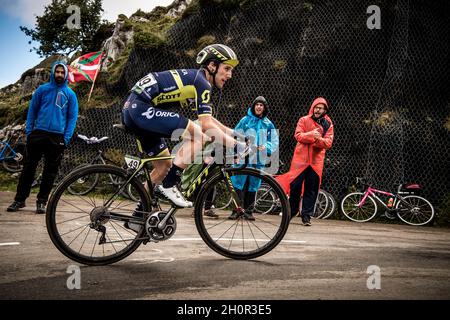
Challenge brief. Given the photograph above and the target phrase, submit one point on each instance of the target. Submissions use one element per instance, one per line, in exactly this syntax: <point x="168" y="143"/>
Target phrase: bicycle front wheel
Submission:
<point x="352" y="209"/>
<point x="415" y="210"/>
<point x="241" y="232"/>
<point x="92" y="228"/>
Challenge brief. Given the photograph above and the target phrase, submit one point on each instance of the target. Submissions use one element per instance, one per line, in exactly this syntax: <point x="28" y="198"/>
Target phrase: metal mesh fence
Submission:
<point x="388" y="88"/>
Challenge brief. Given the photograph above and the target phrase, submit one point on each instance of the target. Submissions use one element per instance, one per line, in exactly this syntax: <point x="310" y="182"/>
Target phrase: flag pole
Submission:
<point x="95" y="77"/>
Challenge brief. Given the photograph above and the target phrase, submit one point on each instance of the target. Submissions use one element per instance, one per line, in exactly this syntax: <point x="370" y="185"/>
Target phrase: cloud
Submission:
<point x="27" y="10"/>
<point x="114" y="8"/>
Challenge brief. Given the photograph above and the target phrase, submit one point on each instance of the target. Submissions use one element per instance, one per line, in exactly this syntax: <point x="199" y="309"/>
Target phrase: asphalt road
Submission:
<point x="330" y="260"/>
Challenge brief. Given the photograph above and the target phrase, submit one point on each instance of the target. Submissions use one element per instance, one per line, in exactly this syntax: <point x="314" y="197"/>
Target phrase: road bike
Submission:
<point x="93" y="228"/>
<point x="405" y="204"/>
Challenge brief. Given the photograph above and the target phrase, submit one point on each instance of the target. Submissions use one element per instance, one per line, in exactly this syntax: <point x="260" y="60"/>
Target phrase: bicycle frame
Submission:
<point x="372" y="192"/>
<point x="4" y="145"/>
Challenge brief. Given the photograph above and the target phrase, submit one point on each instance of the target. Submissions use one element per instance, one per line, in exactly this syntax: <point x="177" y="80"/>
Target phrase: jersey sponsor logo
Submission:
<point x="168" y="97"/>
<point x="184" y="72"/>
<point x="134" y="106"/>
<point x="206" y="96"/>
<point x="169" y="88"/>
<point x="151" y="112"/>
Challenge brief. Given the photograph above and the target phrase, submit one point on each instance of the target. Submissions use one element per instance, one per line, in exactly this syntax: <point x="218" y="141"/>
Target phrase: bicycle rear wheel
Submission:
<point x="84" y="184"/>
<point x="415" y="210"/>
<point x="89" y="228"/>
<point x="359" y="213"/>
<point x="242" y="233"/>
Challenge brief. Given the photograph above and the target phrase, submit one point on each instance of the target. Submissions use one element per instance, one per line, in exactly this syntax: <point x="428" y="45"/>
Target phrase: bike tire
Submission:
<point x="417" y="207"/>
<point x="205" y="227"/>
<point x="87" y="187"/>
<point x="14" y="163"/>
<point x="332" y="206"/>
<point x="358" y="214"/>
<point x="322" y="204"/>
<point x="56" y="210"/>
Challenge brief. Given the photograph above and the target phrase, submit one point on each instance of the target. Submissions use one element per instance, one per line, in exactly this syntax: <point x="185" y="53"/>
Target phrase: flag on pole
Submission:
<point x="85" y="68"/>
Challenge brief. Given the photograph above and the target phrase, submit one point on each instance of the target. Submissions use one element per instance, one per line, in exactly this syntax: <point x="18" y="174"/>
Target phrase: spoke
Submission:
<point x="242" y="231"/>
<point x="75" y="206"/>
<point x="83" y="216"/>
<point x="77" y="235"/>
<point x="93" y="246"/>
<point x="111" y="243"/>
<point x="127" y="230"/>
<point x="232" y="237"/>
<point x="84" y="199"/>
<point x="120" y="236"/>
<point x="89" y="230"/>
<point x="251" y="231"/>
<point x="268" y="237"/>
<point x="84" y="226"/>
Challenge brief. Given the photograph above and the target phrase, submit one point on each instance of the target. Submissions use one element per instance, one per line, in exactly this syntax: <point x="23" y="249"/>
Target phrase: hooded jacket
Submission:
<point x="308" y="151"/>
<point x="251" y="125"/>
<point x="53" y="107"/>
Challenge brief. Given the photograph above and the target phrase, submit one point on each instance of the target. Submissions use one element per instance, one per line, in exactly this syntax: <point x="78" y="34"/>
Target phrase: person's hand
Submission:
<point x="261" y="147"/>
<point x="316" y="133"/>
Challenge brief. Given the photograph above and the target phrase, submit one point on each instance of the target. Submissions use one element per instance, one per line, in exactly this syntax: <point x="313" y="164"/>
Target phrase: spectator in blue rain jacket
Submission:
<point x="263" y="134"/>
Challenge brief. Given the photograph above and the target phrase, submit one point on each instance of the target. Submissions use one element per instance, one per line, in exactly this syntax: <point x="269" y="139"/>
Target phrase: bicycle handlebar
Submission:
<point x="91" y="140"/>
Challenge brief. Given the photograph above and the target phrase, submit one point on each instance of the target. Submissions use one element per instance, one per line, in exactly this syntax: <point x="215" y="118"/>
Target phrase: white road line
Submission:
<point x="10" y="244"/>
<point x="228" y="239"/>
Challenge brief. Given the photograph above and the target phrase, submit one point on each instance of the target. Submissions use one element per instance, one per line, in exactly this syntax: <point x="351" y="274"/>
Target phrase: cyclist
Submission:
<point x="148" y="114"/>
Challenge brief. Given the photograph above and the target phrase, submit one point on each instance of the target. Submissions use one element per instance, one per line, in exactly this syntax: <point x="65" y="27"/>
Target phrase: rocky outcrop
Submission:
<point x="30" y="83"/>
<point x="117" y="43"/>
<point x="177" y="7"/>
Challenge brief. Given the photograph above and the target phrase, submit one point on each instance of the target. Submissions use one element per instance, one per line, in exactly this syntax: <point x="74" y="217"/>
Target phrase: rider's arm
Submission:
<point x="211" y="128"/>
<point x="223" y="127"/>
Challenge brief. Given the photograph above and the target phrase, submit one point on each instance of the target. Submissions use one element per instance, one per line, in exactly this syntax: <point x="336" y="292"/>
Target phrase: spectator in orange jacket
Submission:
<point x="314" y="135"/>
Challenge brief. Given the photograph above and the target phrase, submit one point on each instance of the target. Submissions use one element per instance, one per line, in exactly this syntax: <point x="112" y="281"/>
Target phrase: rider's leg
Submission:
<point x="193" y="140"/>
<point x="160" y="168"/>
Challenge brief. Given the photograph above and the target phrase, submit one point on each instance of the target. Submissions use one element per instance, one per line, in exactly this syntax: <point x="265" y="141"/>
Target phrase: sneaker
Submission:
<point x="249" y="216"/>
<point x="234" y="215"/>
<point x="306" y="220"/>
<point x="40" y="207"/>
<point x="175" y="196"/>
<point x="15" y="206"/>
<point x="210" y="213"/>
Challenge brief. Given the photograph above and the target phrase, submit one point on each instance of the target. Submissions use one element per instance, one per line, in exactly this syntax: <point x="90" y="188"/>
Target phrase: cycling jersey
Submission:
<point x="176" y="87"/>
<point x="148" y="110"/>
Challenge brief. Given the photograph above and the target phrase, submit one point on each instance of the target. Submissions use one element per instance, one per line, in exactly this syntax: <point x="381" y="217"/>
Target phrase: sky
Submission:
<point x="15" y="52"/>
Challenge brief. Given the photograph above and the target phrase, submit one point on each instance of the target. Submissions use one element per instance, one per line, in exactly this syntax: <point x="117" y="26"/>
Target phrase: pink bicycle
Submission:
<point x="404" y="204"/>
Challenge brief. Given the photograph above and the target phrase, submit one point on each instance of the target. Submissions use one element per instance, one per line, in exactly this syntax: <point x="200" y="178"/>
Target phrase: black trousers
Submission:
<point x="40" y="144"/>
<point x="247" y="196"/>
<point x="312" y="183"/>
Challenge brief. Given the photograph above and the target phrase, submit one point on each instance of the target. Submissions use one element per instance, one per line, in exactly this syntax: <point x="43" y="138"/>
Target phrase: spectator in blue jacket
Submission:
<point x="51" y="120"/>
<point x="263" y="134"/>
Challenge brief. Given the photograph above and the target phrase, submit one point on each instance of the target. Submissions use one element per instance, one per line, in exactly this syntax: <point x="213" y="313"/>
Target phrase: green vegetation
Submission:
<point x="279" y="65"/>
<point x="52" y="28"/>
